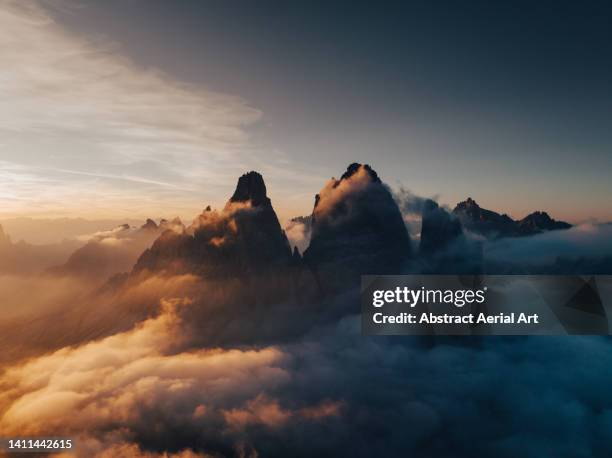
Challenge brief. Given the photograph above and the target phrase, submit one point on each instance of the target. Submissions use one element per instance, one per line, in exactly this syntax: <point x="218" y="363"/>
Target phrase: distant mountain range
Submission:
<point x="355" y="227"/>
<point x="248" y="282"/>
<point x="110" y="252"/>
<point x="493" y="225"/>
<point x="24" y="258"/>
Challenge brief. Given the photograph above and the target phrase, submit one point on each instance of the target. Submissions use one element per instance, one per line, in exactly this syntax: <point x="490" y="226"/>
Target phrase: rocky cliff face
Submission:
<point x="493" y="225"/>
<point x="483" y="221"/>
<point x="244" y="238"/>
<point x="537" y="222"/>
<point x="357" y="228"/>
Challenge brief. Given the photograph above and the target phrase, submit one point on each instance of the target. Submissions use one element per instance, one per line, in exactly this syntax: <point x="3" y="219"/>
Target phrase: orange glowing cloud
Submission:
<point x="115" y="380"/>
<point x="336" y="191"/>
<point x="268" y="412"/>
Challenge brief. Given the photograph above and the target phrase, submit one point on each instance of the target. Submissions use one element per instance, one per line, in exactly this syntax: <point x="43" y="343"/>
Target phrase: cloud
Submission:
<point x="336" y="191"/>
<point x="221" y="222"/>
<point x="24" y="259"/>
<point x="591" y="241"/>
<point x="110" y="252"/>
<point x="165" y="387"/>
<point x="80" y="120"/>
<point x="79" y="309"/>
<point x="94" y="448"/>
<point x="449" y="397"/>
<point x="411" y="206"/>
<point x="131" y="392"/>
<point x="55" y="230"/>
<point x="117" y="378"/>
<point x="268" y="412"/>
<point x="259" y="410"/>
<point x="298" y="231"/>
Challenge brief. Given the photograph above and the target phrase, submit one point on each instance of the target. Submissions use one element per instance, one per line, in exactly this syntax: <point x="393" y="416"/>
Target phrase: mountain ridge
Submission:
<point x="491" y="224"/>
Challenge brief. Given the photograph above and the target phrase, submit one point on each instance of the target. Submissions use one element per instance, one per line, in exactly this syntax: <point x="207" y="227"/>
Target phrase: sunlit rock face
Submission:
<point x="242" y="239"/>
<point x="247" y="278"/>
<point x="357" y="229"/>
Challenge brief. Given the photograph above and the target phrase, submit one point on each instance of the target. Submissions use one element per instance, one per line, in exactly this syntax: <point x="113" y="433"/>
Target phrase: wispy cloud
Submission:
<point x="78" y="117"/>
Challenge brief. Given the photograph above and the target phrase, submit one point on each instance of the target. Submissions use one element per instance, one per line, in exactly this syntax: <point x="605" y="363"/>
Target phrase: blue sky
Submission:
<point x="117" y="109"/>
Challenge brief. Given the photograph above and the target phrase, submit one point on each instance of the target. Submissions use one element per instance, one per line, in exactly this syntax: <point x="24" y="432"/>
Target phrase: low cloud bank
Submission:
<point x="591" y="241"/>
<point x="141" y="390"/>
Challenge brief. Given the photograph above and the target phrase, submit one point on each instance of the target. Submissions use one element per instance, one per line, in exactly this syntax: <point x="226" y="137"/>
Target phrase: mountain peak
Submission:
<point x="493" y="225"/>
<point x="540" y="221"/>
<point x="357" y="228"/>
<point x="354" y="168"/>
<point x="235" y="241"/>
<point x="540" y="214"/>
<point x="468" y="203"/>
<point x="149" y="224"/>
<point x="250" y="187"/>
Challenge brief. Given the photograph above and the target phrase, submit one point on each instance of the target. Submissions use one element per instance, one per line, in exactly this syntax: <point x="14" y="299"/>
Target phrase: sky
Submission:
<point x="139" y="108"/>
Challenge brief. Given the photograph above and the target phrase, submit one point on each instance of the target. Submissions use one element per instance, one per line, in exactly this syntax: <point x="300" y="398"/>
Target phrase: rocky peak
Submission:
<point x="149" y="225"/>
<point x="469" y="207"/>
<point x="540" y="221"/>
<point x="356" y="230"/>
<point x="493" y="225"/>
<point x="236" y="241"/>
<point x="251" y="187"/>
<point x="539" y="216"/>
<point x="354" y="168"/>
<point x="175" y="225"/>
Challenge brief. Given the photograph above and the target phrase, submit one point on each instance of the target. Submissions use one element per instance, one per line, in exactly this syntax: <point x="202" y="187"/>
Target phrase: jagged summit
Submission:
<point x="356" y="173"/>
<point x="236" y="241"/>
<point x="540" y="221"/>
<point x="468" y="203"/>
<point x="493" y="225"/>
<point x="354" y="168"/>
<point x="149" y="224"/>
<point x="471" y="207"/>
<point x="251" y="187"/>
<point x="357" y="228"/>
